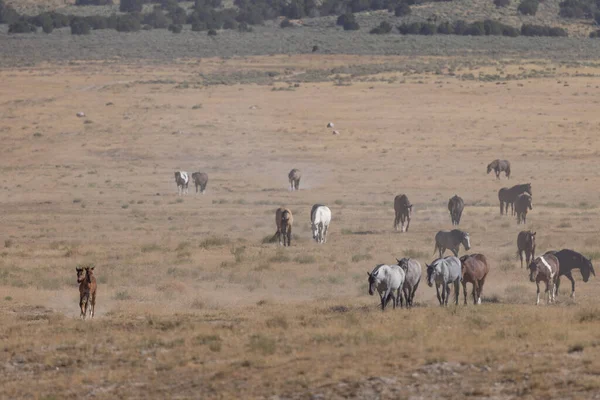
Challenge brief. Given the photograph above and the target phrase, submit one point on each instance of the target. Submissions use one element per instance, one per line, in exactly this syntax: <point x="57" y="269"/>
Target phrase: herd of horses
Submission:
<point x="398" y="283"/>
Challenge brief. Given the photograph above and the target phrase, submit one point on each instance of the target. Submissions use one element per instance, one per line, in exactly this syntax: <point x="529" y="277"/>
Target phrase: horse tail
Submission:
<point x="592" y="269"/>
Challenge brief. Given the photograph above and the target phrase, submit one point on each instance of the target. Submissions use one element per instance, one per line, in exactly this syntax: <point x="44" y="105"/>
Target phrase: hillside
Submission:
<point x="468" y="10"/>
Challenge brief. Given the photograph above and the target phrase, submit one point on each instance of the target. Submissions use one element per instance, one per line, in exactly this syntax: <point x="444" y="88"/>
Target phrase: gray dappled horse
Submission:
<point x="443" y="272"/>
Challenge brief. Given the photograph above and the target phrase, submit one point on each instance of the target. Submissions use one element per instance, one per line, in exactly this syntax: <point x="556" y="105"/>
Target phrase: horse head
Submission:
<point x="80" y="274"/>
<point x="533" y="271"/>
<point x="372" y="281"/>
<point x="489" y="168"/>
<point x="528" y="189"/>
<point x="430" y="274"/>
<point x="466" y="241"/>
<point x="403" y="263"/>
<point x="89" y="272"/>
<point x="587" y="269"/>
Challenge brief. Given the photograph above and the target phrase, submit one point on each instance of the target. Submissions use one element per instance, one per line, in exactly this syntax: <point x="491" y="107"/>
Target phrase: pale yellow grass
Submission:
<point x="178" y="315"/>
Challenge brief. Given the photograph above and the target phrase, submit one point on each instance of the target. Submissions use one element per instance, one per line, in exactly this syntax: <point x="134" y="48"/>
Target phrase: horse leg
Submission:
<point x="457" y="290"/>
<point x="325" y="233"/>
<point x="82" y="307"/>
<point x="93" y="304"/>
<point x="521" y="258"/>
<point x="537" y="302"/>
<point x="547" y="292"/>
<point x="480" y="290"/>
<point x="437" y="291"/>
<point x="455" y="251"/>
<point x="475" y="291"/>
<point x="289" y="236"/>
<point x="382" y="298"/>
<point x="399" y="297"/>
<point x="464" y="285"/>
<point x="501" y="208"/>
<point x="407" y="223"/>
<point x="570" y="277"/>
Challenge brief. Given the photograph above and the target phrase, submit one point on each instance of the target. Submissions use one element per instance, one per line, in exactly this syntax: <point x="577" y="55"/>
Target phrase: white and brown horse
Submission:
<point x="182" y="180"/>
<point x="545" y="269"/>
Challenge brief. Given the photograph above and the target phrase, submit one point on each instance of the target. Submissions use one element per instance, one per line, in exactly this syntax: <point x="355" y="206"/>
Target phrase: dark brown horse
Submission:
<point x="403" y="210"/>
<point x="456" y="205"/>
<point x="200" y="180"/>
<point x="526" y="244"/>
<point x="522" y="204"/>
<point x="87" y="290"/>
<point x="545" y="269"/>
<point x="474" y="270"/>
<point x="509" y="196"/>
<point x="499" y="166"/>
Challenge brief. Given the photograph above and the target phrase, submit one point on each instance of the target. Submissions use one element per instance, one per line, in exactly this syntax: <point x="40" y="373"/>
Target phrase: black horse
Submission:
<point x="570" y="260"/>
<point x="509" y="196"/>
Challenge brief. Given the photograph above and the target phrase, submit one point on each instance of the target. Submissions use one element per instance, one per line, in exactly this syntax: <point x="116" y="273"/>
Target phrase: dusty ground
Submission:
<point x="191" y="303"/>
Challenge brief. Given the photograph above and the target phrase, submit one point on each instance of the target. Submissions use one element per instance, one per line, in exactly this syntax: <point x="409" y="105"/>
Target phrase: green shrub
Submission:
<point x="539" y="30"/>
<point x="382" y="29"/>
<point x="94" y="3"/>
<point x="21" y="27"/>
<point x="175" y="28"/>
<point x="128" y="23"/>
<point x="341" y="20"/>
<point x="476" y="29"/>
<point x="130" y="6"/>
<point x="402" y="9"/>
<point x="48" y="27"/>
<point x="178" y="16"/>
<point x="445" y="28"/>
<point x="528" y="7"/>
<point x="8" y="15"/>
<point x="156" y="19"/>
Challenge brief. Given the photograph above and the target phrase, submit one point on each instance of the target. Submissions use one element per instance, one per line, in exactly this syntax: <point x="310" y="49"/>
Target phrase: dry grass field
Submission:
<point x="192" y="301"/>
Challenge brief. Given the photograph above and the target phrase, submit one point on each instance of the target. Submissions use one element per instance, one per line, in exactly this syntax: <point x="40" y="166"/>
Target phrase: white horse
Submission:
<point x="320" y="217"/>
<point x="388" y="280"/>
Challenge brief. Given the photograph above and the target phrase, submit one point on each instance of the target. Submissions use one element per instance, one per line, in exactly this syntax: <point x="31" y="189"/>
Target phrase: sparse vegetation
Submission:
<point x="305" y="259"/>
<point x="361" y="257"/>
<point x="214" y="241"/>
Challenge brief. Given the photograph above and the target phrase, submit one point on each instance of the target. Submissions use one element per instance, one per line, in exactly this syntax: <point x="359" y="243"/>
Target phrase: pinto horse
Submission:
<point x="474" y="270"/>
<point x="545" y="269"/>
<point x="87" y="290"/>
